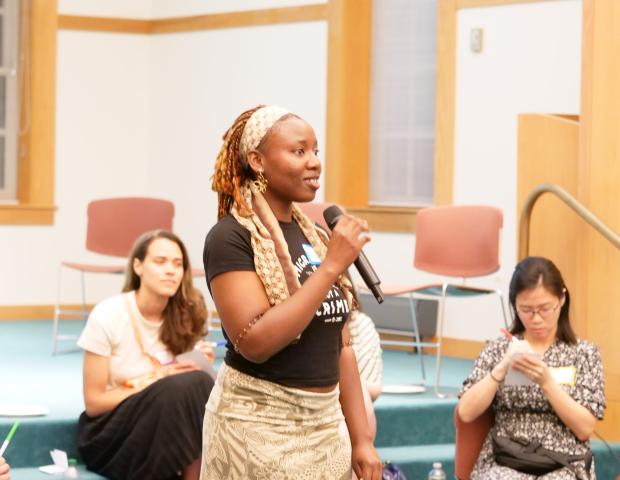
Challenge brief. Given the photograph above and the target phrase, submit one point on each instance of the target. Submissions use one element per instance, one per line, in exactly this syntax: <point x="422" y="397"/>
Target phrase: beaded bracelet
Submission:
<point x="245" y="330"/>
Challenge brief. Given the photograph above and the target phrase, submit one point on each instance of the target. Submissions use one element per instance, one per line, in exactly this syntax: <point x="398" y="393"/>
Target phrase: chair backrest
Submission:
<point x="458" y="241"/>
<point x="314" y="211"/>
<point x="469" y="440"/>
<point x="114" y="224"/>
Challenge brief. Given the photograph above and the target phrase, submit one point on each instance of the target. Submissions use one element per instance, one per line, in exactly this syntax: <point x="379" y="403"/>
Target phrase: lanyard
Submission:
<point x="138" y="335"/>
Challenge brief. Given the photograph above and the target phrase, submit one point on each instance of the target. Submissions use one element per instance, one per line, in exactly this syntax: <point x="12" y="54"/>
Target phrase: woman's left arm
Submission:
<point x="365" y="460"/>
<point x="575" y="416"/>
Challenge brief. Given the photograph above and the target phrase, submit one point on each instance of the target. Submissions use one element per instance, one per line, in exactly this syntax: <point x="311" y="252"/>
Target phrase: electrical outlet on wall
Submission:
<point x="475" y="39"/>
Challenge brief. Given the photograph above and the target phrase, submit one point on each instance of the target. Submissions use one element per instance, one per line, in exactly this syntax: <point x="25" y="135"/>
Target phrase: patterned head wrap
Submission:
<point x="257" y="127"/>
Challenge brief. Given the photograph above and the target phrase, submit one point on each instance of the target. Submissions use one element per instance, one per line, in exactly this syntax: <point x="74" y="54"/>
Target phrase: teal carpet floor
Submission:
<point x="413" y="430"/>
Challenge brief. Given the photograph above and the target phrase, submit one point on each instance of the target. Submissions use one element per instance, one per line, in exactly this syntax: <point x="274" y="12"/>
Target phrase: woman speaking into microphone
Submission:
<point x="287" y="401"/>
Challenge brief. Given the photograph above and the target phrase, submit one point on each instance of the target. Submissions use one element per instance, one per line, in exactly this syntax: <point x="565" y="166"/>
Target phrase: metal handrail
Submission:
<point x="572" y="202"/>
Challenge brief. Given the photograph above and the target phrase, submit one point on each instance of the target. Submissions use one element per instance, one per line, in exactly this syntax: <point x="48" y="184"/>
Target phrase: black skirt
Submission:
<point x="154" y="434"/>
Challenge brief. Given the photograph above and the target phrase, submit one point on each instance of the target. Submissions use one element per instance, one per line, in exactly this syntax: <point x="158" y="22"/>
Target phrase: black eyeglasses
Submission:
<point x="543" y="312"/>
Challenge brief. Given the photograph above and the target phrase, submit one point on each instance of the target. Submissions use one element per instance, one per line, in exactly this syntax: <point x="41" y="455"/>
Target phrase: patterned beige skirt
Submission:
<point x="255" y="429"/>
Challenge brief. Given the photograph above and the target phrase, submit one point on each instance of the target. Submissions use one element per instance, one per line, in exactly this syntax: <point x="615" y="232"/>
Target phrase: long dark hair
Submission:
<point x="185" y="314"/>
<point x="528" y="274"/>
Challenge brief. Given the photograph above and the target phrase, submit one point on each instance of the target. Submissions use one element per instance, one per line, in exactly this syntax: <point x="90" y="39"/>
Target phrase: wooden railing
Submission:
<point x="569" y="200"/>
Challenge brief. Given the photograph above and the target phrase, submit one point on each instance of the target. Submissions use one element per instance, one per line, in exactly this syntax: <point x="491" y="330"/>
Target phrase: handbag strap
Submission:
<point x="561" y="459"/>
<point x="138" y="334"/>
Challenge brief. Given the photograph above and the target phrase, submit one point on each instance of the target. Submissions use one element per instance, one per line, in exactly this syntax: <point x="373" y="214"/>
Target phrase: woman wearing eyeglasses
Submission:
<point x="558" y="398"/>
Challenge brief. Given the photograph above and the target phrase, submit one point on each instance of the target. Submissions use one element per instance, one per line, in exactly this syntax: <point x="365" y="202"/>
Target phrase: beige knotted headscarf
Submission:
<point x="257" y="127"/>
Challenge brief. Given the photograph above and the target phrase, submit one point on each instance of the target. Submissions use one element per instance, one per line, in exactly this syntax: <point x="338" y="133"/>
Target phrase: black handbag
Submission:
<point x="530" y="457"/>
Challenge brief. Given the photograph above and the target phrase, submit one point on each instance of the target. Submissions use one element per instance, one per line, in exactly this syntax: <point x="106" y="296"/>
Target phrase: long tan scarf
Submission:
<point x="271" y="257"/>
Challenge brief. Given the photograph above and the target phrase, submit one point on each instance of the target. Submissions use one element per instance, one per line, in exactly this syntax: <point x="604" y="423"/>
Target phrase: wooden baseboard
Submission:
<point x="46" y="312"/>
<point x="452" y="347"/>
<point x="35" y="312"/>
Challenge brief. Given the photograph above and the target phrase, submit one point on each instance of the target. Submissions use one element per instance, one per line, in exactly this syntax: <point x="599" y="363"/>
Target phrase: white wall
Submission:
<point x="140" y="9"/>
<point x="102" y="110"/>
<point x="198" y="94"/>
<point x="531" y="62"/>
<point x="144" y="115"/>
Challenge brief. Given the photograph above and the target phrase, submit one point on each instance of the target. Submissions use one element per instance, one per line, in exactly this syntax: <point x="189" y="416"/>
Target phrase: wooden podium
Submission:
<point x="582" y="155"/>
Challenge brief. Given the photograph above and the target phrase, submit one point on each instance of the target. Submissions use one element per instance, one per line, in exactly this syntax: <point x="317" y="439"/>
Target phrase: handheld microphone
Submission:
<point x="368" y="274"/>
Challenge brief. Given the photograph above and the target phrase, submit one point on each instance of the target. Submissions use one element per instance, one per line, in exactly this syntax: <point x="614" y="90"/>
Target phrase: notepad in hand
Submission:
<point x="199" y="359"/>
<point x="514" y="376"/>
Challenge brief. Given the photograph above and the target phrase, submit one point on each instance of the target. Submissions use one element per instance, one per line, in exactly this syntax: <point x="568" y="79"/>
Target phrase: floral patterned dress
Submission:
<point x="522" y="411"/>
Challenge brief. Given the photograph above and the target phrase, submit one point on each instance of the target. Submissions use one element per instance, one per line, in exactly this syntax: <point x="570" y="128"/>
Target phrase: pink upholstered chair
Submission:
<point x="113" y="226"/>
<point x="469" y="440"/>
<point x="452" y="241"/>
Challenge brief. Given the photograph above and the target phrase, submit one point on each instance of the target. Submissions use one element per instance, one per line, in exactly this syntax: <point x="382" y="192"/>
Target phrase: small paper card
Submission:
<point x="564" y="375"/>
<point x="515" y="377"/>
<point x="61" y="463"/>
<point x="199" y="359"/>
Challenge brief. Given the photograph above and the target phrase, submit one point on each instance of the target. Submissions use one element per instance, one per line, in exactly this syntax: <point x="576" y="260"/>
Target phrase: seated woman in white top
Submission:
<point x="144" y="409"/>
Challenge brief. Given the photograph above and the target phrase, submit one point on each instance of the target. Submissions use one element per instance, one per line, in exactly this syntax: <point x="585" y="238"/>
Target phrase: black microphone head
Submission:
<point x="332" y="215"/>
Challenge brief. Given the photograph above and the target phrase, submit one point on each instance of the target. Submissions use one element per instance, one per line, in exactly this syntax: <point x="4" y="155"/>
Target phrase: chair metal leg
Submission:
<point x="59" y="313"/>
<point x="56" y="312"/>
<point x="84" y="309"/>
<point x="416" y="332"/>
<point x="442" y="306"/>
<point x="501" y="301"/>
<point x="440" y="325"/>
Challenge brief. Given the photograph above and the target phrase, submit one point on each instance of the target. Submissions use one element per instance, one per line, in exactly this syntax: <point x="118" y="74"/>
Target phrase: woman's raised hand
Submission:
<point x="206" y="348"/>
<point x="515" y="346"/>
<point x="534" y="368"/>
<point x="5" y="473"/>
<point x="348" y="238"/>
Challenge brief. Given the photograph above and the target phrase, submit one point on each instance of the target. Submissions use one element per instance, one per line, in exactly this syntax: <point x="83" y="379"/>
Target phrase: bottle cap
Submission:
<point x="437" y="465"/>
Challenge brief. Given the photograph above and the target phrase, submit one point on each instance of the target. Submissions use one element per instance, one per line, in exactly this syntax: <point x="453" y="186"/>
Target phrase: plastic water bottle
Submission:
<point x="72" y="471"/>
<point x="437" y="472"/>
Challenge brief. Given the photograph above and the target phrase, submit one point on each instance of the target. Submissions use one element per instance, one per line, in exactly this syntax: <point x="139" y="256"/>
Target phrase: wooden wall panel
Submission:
<point x="35" y="312"/>
<point x="103" y="24"/>
<point x="445" y="102"/>
<point x="348" y="102"/>
<point x="249" y="18"/>
<point x="35" y="185"/>
<point x="548" y="151"/>
<point x="600" y="189"/>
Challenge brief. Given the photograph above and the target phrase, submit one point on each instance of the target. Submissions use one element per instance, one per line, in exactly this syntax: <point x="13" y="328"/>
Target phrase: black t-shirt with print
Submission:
<point x="311" y="361"/>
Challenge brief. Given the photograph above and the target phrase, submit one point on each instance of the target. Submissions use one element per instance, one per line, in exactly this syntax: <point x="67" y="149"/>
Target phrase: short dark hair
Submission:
<point x="528" y="274"/>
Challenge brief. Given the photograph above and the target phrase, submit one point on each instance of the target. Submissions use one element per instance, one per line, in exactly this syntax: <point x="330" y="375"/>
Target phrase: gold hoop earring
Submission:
<point x="261" y="182"/>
